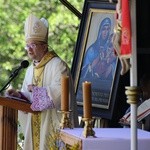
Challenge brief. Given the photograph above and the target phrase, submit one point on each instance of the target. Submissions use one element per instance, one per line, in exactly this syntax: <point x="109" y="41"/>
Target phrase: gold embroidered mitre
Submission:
<point x="36" y="29"/>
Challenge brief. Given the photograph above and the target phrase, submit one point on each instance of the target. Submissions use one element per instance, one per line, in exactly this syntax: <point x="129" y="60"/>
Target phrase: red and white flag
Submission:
<point x="126" y="30"/>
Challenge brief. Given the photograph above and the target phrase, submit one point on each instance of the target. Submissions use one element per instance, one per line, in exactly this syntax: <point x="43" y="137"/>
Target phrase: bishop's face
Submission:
<point x="36" y="50"/>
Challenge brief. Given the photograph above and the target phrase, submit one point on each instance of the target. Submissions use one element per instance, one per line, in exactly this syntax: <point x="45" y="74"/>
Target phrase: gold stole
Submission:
<point x="38" y="81"/>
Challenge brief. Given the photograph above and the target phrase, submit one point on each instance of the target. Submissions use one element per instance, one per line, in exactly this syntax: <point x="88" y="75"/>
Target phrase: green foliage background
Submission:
<point x="63" y="30"/>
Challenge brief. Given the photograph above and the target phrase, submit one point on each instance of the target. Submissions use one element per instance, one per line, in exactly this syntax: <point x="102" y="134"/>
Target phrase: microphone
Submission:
<point x="24" y="64"/>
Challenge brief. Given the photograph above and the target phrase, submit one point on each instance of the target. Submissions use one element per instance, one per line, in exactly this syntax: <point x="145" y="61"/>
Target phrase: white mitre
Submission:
<point x="36" y="29"/>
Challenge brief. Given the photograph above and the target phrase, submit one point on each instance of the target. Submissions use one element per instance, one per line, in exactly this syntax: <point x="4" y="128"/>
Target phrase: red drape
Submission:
<point x="126" y="30"/>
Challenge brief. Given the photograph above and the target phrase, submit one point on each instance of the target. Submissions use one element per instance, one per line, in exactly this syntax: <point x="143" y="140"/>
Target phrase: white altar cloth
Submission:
<point x="110" y="139"/>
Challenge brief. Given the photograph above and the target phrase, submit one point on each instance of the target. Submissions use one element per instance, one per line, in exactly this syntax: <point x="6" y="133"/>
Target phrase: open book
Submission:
<point x="142" y="111"/>
<point x="18" y="99"/>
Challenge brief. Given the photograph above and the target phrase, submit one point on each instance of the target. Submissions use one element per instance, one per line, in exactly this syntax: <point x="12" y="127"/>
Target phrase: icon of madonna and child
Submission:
<point x="99" y="63"/>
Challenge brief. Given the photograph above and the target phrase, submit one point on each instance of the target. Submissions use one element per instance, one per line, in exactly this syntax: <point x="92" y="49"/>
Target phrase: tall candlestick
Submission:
<point x="65" y="93"/>
<point x="87" y="102"/>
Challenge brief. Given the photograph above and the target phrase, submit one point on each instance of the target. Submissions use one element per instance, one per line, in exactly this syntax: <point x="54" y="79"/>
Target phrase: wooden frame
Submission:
<point x="94" y="59"/>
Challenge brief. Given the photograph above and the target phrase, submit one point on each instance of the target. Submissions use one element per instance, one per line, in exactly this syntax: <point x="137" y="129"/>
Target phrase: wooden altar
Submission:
<point x="8" y="124"/>
<point x="105" y="139"/>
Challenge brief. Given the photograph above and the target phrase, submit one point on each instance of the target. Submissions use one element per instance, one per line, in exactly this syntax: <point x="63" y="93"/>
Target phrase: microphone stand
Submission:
<point x="11" y="78"/>
<point x="24" y="64"/>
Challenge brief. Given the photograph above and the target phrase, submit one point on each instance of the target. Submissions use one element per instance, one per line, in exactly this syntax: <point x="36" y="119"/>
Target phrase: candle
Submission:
<point x="87" y="102"/>
<point x="64" y="93"/>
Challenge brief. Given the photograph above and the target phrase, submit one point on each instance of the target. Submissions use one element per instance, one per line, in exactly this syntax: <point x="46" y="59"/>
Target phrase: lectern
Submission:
<point x="8" y="121"/>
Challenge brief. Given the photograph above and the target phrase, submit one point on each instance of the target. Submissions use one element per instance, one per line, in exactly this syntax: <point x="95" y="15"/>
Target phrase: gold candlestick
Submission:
<point x="65" y="120"/>
<point x="88" y="130"/>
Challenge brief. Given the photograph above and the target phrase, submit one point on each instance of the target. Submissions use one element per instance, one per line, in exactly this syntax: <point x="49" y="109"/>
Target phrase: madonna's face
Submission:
<point x="105" y="32"/>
